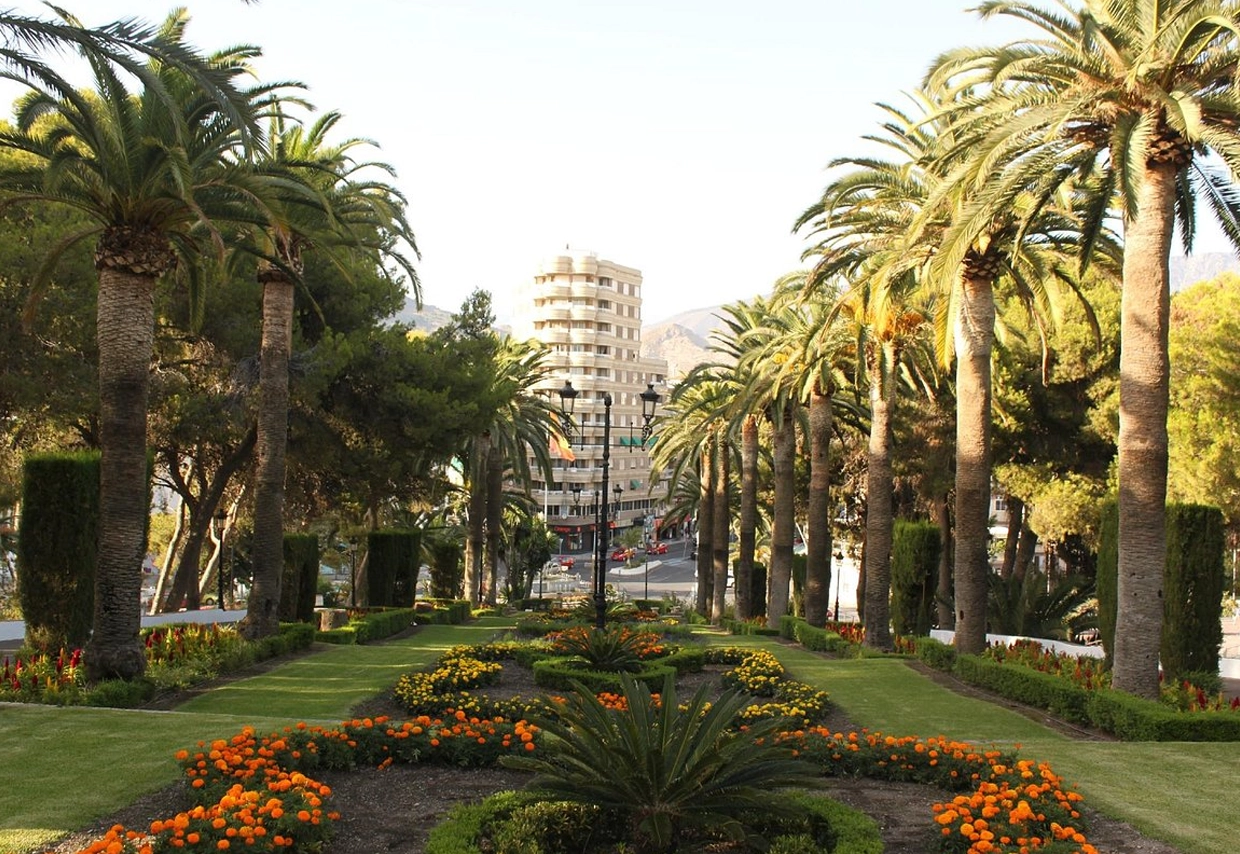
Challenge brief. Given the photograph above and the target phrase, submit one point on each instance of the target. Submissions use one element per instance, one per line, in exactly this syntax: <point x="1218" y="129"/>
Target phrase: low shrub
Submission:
<point x="367" y="626"/>
<point x="935" y="654"/>
<point x="563" y="674"/>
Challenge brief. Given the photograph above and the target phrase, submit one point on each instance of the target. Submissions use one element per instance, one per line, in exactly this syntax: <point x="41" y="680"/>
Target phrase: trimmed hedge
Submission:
<point x="812" y="637"/>
<point x="392" y="561"/>
<point x="299" y="585"/>
<point x="1031" y="687"/>
<point x="914" y="573"/>
<point x="57" y="549"/>
<point x="560" y="673"/>
<point x="850" y="831"/>
<point x="741" y="627"/>
<point x="935" y="654"/>
<point x="458" y="610"/>
<point x="1193" y="590"/>
<point x="1193" y="581"/>
<point x="371" y="626"/>
<point x="1123" y="715"/>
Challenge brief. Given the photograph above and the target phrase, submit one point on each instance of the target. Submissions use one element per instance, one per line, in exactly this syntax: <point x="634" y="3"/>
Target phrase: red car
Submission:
<point x="656" y="549"/>
<point x="567" y="562"/>
<point x="622" y="553"/>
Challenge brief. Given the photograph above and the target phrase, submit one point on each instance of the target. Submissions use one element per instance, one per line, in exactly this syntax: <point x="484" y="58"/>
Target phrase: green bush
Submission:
<point x="392" y="561"/>
<point x="686" y="660"/>
<point x="57" y="548"/>
<point x="562" y="674"/>
<point x="447" y="574"/>
<point x="299" y="585"/>
<point x="1193" y="590"/>
<point x="914" y="570"/>
<point x="121" y="693"/>
<point x="935" y="654"/>
<point x="1043" y="690"/>
<point x="371" y="626"/>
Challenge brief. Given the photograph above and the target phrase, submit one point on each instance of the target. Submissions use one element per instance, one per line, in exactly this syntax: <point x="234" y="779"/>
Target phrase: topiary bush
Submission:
<point x="914" y="570"/>
<point x="57" y="548"/>
<point x="299" y="585"/>
<point x="1193" y="591"/>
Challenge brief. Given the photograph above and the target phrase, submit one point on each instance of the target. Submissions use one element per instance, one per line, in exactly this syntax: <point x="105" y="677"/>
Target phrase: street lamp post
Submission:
<point x="839" y="568"/>
<point x="353" y="571"/>
<point x="568" y="397"/>
<point x="221" y="517"/>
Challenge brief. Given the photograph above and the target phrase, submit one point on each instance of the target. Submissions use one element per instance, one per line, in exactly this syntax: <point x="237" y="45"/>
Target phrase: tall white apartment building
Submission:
<point x="588" y="312"/>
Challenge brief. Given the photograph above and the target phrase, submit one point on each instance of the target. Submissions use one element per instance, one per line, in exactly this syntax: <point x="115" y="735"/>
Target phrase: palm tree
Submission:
<point x="522" y="425"/>
<point x="811" y="351"/>
<point x="688" y="440"/>
<point x="1140" y="94"/>
<point x="326" y="203"/>
<point x="147" y="170"/>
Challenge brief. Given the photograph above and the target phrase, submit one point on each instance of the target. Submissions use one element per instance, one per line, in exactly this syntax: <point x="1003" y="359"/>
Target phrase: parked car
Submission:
<point x="656" y="549"/>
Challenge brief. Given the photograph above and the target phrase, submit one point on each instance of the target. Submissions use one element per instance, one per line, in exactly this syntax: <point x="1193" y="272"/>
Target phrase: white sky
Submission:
<point x="681" y="137"/>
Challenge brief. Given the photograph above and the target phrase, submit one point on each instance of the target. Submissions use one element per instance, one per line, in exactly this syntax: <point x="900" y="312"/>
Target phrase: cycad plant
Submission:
<point x="670" y="774"/>
<point x="611" y="650"/>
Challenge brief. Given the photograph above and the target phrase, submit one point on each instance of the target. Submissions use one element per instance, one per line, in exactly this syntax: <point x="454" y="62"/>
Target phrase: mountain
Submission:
<point x="427" y="320"/>
<point x="1191" y="269"/>
<point x="683" y="340"/>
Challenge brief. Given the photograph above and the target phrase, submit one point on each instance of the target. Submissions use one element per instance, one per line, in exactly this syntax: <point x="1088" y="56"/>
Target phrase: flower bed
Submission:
<point x="178" y="656"/>
<point x="258" y="792"/>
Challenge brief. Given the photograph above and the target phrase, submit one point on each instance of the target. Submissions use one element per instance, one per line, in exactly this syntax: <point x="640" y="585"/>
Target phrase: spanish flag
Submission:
<point x="560" y="447"/>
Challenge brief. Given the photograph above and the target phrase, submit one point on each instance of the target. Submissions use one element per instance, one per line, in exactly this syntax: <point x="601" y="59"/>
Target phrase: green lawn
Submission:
<point x="63" y="768"/>
<point x="72" y="766"/>
<point x="1183" y="794"/>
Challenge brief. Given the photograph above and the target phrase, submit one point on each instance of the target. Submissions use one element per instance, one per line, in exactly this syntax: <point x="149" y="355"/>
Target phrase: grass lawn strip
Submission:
<point x="1183" y="794"/>
<point x="65" y="767"/>
<point x="73" y="765"/>
<point x="326" y="685"/>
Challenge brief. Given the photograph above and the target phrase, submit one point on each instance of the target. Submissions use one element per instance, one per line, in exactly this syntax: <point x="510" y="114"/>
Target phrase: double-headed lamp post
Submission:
<point x="568" y="397"/>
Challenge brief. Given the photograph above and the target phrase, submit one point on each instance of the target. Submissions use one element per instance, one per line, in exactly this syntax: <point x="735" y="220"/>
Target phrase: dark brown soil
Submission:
<point x="393" y="810"/>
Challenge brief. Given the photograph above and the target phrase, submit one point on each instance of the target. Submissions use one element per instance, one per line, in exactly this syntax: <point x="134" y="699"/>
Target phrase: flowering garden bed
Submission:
<point x="261" y="792"/>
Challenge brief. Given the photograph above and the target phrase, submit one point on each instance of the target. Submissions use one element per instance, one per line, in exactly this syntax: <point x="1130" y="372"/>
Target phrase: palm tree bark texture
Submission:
<point x="784" y="443"/>
<point x="974" y="334"/>
<point x="720" y="526"/>
<point x="818" y="506"/>
<point x="748" y="518"/>
<point x="1144" y="373"/>
<point x="881" y="359"/>
<point x="706" y="528"/>
<point x="129" y="261"/>
<point x="263" y="612"/>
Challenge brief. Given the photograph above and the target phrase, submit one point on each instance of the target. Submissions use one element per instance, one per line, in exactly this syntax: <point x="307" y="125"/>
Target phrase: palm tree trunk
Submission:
<point x="495" y="518"/>
<point x="705" y="529"/>
<point x="721" y="523"/>
<point x="879" y="494"/>
<point x="126" y="333"/>
<point x="1144" y="370"/>
<point x="263" y="612"/>
<point x="818" y="548"/>
<point x="476" y="544"/>
<point x="1025" y="551"/>
<point x="974" y="337"/>
<point x="784" y="441"/>
<point x="943" y="590"/>
<point x="1016" y="518"/>
<point x="748" y="522"/>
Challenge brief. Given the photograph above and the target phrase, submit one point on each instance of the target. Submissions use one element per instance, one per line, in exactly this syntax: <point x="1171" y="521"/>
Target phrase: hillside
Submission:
<point x="1189" y="270"/>
<point x="427" y="320"/>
